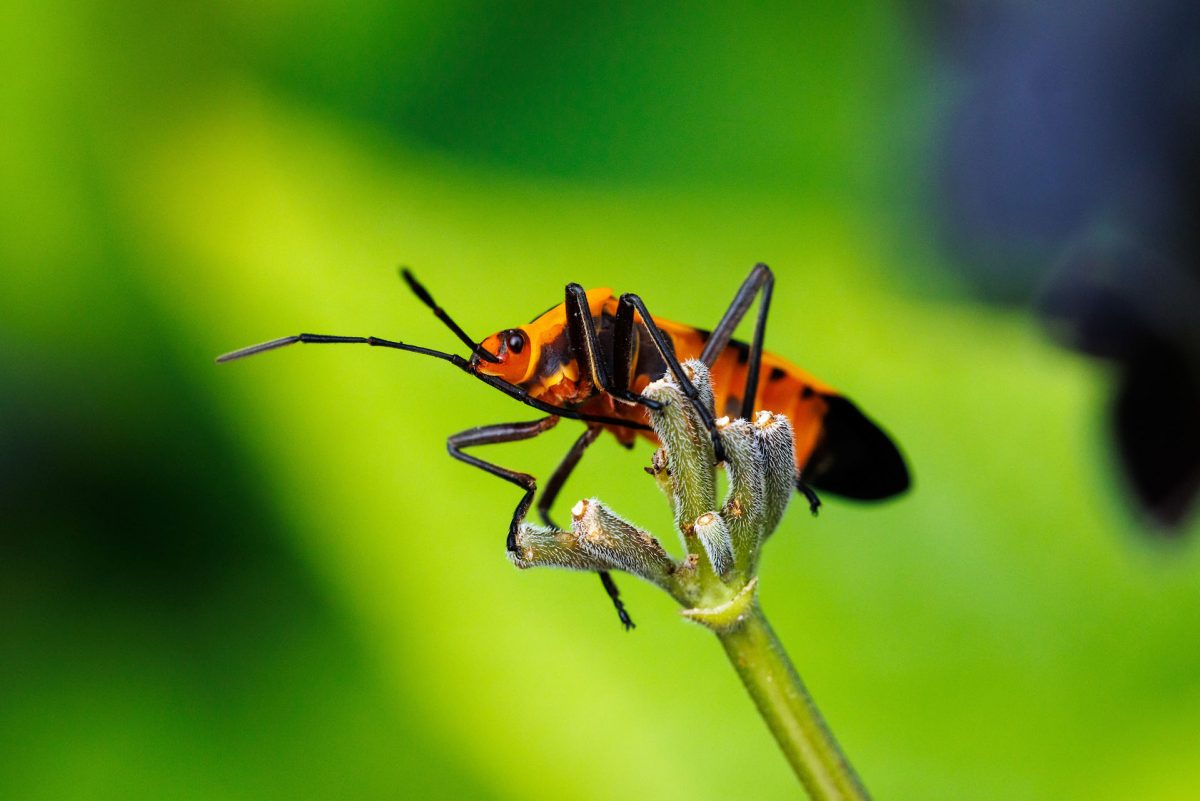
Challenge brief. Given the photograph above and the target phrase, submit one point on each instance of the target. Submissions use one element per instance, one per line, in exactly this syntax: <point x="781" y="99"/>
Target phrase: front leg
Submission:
<point x="491" y="435"/>
<point x="585" y="348"/>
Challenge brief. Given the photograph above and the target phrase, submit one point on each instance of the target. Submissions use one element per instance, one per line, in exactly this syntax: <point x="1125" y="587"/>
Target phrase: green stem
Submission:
<point x="785" y="705"/>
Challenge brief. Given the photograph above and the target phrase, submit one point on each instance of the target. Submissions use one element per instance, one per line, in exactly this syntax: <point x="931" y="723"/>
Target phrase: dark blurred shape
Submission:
<point x="1120" y="302"/>
<point x="1079" y="133"/>
<point x="1071" y="113"/>
<point x="122" y="505"/>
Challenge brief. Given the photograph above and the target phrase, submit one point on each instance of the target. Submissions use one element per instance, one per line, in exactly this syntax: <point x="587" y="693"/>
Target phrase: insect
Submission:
<point x="590" y="357"/>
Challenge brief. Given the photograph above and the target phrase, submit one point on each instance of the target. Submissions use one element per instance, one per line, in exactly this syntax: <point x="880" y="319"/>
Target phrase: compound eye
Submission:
<point x="516" y="341"/>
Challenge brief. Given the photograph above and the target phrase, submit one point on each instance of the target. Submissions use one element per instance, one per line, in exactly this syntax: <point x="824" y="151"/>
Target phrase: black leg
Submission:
<point x="491" y="435"/>
<point x="585" y="347"/>
<point x="523" y="396"/>
<point x="685" y="385"/>
<point x="554" y="485"/>
<point x="508" y="389"/>
<point x="610" y="587"/>
<point x="810" y="495"/>
<point x="624" y="346"/>
<point x="762" y="278"/>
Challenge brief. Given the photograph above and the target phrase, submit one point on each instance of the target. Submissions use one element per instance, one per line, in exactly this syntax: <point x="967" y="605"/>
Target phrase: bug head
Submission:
<point x="512" y="351"/>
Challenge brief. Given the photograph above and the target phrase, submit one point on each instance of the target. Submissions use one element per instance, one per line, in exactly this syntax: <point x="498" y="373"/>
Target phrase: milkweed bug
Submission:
<point x="590" y="357"/>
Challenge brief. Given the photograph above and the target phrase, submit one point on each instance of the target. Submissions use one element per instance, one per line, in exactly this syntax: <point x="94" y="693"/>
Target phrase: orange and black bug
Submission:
<point x="590" y="357"/>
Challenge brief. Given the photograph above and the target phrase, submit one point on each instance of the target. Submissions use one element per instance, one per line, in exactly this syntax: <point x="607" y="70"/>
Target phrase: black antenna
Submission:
<point x="421" y="292"/>
<point x="333" y="339"/>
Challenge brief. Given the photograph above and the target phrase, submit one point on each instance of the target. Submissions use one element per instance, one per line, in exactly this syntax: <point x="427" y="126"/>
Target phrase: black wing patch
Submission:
<point x="854" y="458"/>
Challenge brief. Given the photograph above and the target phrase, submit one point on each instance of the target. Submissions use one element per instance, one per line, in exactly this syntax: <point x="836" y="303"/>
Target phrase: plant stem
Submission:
<point x="785" y="705"/>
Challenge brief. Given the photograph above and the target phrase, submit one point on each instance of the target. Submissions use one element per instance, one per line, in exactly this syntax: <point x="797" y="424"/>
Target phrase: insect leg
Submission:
<point x="810" y="495"/>
<point x="624" y="349"/>
<point x="585" y="347"/>
<point x="555" y="484"/>
<point x="491" y="435"/>
<point x="760" y="278"/>
<point x="559" y="411"/>
<point x="610" y="587"/>
<point x="663" y="346"/>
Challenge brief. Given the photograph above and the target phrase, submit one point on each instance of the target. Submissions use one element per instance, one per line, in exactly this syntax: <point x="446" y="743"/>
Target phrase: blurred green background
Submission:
<point x="268" y="579"/>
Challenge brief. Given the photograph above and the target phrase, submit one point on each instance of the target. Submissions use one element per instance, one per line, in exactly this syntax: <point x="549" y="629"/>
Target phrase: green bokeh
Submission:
<point x="268" y="580"/>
